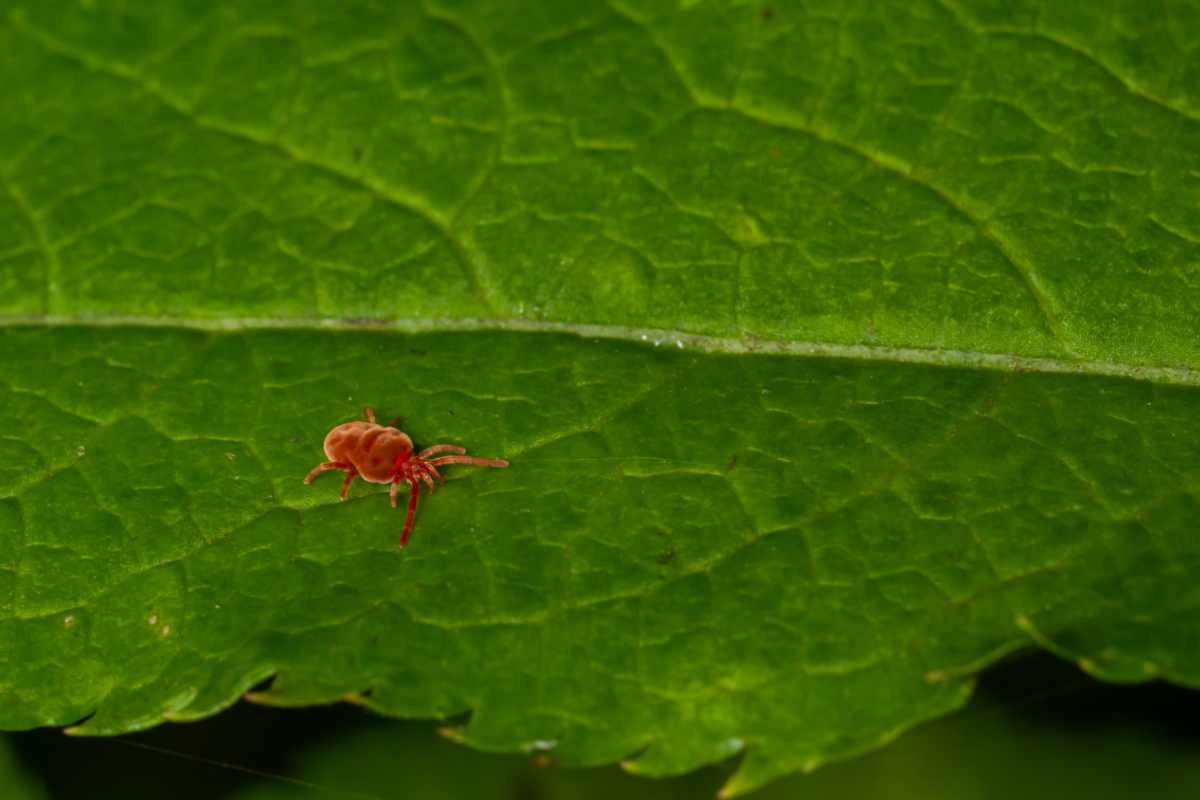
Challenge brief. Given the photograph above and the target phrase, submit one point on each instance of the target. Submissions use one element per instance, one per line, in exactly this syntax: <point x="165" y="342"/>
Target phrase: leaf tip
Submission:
<point x="936" y="676"/>
<point x="453" y="733"/>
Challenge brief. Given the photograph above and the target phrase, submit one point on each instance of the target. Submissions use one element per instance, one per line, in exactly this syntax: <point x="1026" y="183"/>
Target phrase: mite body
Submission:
<point x="380" y="454"/>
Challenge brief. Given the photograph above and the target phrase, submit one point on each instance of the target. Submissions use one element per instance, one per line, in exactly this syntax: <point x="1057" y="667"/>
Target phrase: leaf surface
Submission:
<point x="1086" y="743"/>
<point x="835" y="354"/>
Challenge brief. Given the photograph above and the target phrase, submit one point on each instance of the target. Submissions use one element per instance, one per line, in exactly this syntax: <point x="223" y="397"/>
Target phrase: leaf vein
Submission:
<point x="747" y="344"/>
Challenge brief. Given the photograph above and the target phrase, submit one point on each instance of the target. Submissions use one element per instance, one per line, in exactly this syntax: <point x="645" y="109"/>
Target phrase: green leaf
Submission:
<point x="1072" y="746"/>
<point x="835" y="354"/>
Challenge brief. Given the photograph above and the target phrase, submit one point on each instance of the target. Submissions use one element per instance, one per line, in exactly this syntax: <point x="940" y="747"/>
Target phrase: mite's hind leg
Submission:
<point x="369" y="413"/>
<point x="351" y="474"/>
<point x="328" y="465"/>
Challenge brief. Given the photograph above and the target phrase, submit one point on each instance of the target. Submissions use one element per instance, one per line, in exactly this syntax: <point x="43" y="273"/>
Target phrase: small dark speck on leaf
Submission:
<point x="666" y="556"/>
<point x="358" y="152"/>
<point x="732" y="463"/>
<point x="421" y="353"/>
<point x="767" y="12"/>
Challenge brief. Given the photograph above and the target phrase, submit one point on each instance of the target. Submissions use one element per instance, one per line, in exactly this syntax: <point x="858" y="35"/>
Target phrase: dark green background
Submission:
<point x="1036" y="727"/>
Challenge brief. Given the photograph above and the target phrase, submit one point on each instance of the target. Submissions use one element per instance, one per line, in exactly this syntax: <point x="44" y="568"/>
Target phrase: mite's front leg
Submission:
<point x="418" y="470"/>
<point x="442" y="448"/>
<point x="414" y="489"/>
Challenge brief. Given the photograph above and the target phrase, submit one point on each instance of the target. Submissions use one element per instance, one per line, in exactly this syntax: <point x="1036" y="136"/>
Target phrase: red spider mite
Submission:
<point x="385" y="455"/>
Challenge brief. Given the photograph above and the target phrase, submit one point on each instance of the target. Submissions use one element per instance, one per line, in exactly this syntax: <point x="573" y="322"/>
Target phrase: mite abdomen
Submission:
<point x="344" y="439"/>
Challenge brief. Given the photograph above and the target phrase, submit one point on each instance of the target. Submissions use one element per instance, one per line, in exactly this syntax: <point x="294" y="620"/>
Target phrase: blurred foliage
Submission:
<point x="1036" y="729"/>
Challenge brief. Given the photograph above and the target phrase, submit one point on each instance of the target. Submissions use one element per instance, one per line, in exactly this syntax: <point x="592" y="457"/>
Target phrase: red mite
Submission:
<point x="385" y="455"/>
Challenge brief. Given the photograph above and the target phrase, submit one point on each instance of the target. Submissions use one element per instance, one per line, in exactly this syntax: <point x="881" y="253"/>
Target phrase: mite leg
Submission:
<point x="418" y="470"/>
<point x="395" y="423"/>
<point x="328" y="465"/>
<point x="441" y="448"/>
<point x="433" y="471"/>
<point x="395" y="487"/>
<point x="414" y="493"/>
<point x="369" y="413"/>
<point x="351" y="474"/>
<point x="479" y="462"/>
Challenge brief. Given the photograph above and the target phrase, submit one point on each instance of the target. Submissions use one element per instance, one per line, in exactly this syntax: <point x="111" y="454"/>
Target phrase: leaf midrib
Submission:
<point x="657" y="337"/>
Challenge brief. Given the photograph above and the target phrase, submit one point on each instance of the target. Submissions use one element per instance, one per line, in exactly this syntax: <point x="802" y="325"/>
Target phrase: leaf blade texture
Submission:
<point x="836" y="356"/>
